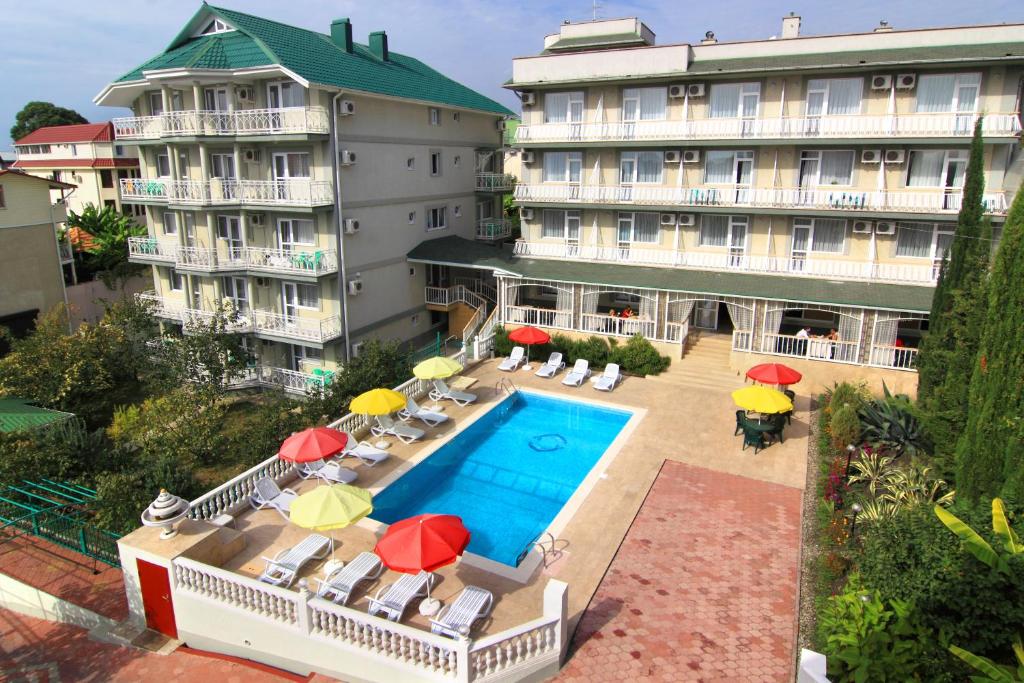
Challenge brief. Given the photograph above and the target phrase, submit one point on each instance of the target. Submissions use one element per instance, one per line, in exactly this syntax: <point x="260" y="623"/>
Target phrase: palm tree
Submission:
<point x="110" y="231"/>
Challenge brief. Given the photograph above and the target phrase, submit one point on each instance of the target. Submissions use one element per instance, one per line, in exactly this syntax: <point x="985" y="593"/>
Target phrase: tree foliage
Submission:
<point x="379" y="364"/>
<point x="110" y="230"/>
<point x="36" y="115"/>
<point x="990" y="455"/>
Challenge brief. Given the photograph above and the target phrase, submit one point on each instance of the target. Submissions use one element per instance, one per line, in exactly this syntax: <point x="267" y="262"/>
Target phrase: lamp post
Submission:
<point x="849" y="454"/>
<point x="855" y="509"/>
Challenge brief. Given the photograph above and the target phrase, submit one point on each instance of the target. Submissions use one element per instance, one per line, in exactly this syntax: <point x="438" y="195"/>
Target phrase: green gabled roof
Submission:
<point x="17" y="415"/>
<point x="462" y="252"/>
<point x="314" y="57"/>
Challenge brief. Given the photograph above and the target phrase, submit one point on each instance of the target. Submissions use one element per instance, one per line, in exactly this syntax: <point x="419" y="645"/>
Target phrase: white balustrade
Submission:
<point x="896" y="357"/>
<point x="234" y="494"/>
<point x="622" y="327"/>
<point x="493" y="656"/>
<point x="540" y="317"/>
<point x="921" y="125"/>
<point x="291" y="381"/>
<point x="493" y="228"/>
<point x="229" y="191"/>
<point x="277" y="604"/>
<point x="494" y="182"/>
<point x="151" y="248"/>
<point x="813" y="348"/>
<point x="677" y="332"/>
<point x="202" y="258"/>
<point x="285" y="120"/>
<point x="296" y="326"/>
<point x="313" y="262"/>
<point x="164" y="307"/>
<point x="477" y="287"/>
<point x="742" y="340"/>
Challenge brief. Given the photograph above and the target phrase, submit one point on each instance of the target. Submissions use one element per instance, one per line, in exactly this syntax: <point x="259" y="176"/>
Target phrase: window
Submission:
<point x="834" y="96"/>
<point x="456" y="116"/>
<point x="412" y="218"/>
<point x="410" y="163"/>
<point x="644" y="104"/>
<point x="307" y="296"/>
<point x="435" y="163"/>
<point x="291" y="165"/>
<point x="728" y="167"/>
<point x="638" y="227"/>
<point x="948" y="92"/>
<point x="170" y="223"/>
<point x="937" y="168"/>
<point x="457" y="210"/>
<point x="118" y="150"/>
<point x="215" y="26"/>
<point x="559" y="224"/>
<point x="177" y="280"/>
<point x="734" y="100"/>
<point x="156" y="103"/>
<point x="830" y="167"/>
<point x="820" y="235"/>
<point x="106" y="177"/>
<point x="435" y="116"/>
<point x="412" y="271"/>
<point x="294" y="231"/>
<point x="222" y="166"/>
<point x="3" y="204"/>
<point x="641" y="167"/>
<point x="437" y="218"/>
<point x="562" y="167"/>
<point x="923" y="240"/>
<point x="456" y="159"/>
<point x="109" y="203"/>
<point x="163" y="166"/>
<point x="563" y="107"/>
<point x="723" y="231"/>
<point x="55" y="175"/>
<point x="284" y="94"/>
<point x="74" y="150"/>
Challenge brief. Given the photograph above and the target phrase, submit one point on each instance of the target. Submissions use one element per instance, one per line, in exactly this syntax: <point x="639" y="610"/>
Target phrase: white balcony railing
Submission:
<point x="296" y="327"/>
<point x="839" y="199"/>
<point x="623" y="327"/>
<point x="287" y="120"/>
<point x="495" y="182"/>
<point x="489" y="229"/>
<point x="812" y="348"/>
<point x="799" y="127"/>
<point x="541" y="317"/>
<point x="897" y="357"/>
<point x="229" y="192"/>
<point x="811" y="266"/>
<point x="152" y="249"/>
<point x="293" y="261"/>
<point x="315" y="262"/>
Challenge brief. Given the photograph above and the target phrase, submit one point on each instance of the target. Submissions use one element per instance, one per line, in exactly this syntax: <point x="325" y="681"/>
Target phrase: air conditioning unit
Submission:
<point x="881" y="82"/>
<point x="862" y="227"/>
<point x="695" y="90"/>
<point x="346" y="108"/>
<point x="870" y="156"/>
<point x="906" y="81"/>
<point x="526" y="214"/>
<point x="885" y="228"/>
<point x="676" y="91"/>
<point x="668" y="219"/>
<point x="355" y="287"/>
<point x="526" y="157"/>
<point x="347" y="157"/>
<point x="252" y="155"/>
<point x="257" y="218"/>
<point x="351" y="226"/>
<point x="245" y="94"/>
<point x="672" y="157"/>
<point x="262" y="282"/>
<point x="687" y="219"/>
<point x="529" y="99"/>
<point x="895" y="156"/>
<point x="357" y="348"/>
<point x="691" y="156"/>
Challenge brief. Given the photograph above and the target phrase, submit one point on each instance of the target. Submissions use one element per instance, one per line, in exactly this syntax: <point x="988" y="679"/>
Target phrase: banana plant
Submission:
<point x="978" y="546"/>
<point x="994" y="673"/>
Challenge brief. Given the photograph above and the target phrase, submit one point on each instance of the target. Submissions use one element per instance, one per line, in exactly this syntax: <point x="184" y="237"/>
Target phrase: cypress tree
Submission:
<point x="939" y="344"/>
<point x="990" y="452"/>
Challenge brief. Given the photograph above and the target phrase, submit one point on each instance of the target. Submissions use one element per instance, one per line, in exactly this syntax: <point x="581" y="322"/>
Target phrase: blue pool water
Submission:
<point x="509" y="473"/>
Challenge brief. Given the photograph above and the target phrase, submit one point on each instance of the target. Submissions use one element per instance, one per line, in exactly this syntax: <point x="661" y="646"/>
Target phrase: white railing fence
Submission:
<point x="229" y="191"/>
<point x="812" y="348"/>
<point x="540" y="317"/>
<point x="620" y="327"/>
<point x="742" y="340"/>
<point x="293" y="326"/>
<point x="493" y="228"/>
<point x="494" y="182"/>
<point x="233" y="495"/>
<point x="312" y="262"/>
<point x="210" y="122"/>
<point x="896" y="357"/>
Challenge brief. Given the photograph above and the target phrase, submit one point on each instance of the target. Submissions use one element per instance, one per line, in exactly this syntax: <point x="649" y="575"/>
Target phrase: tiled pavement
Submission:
<point x="65" y="574"/>
<point x="703" y="587"/>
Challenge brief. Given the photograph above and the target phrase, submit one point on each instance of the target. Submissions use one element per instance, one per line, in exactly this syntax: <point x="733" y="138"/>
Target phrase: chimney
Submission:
<point x="883" y="27"/>
<point x="791" y="26"/>
<point x="379" y="45"/>
<point x="709" y="38"/>
<point x="341" y="34"/>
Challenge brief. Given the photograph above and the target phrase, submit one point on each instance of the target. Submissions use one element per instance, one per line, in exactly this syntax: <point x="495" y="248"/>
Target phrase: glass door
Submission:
<point x="282" y="95"/>
<point x="627" y="176"/>
<point x="799" y="247"/>
<point x="290" y="299"/>
<point x="222" y="175"/>
<point x="197" y="293"/>
<point x="216" y="100"/>
<point x="572" y="232"/>
<point x="287" y="167"/>
<point x="190" y="230"/>
<point x="737" y="243"/>
<point x="705" y="315"/>
<point x="953" y="178"/>
<point x="743" y="174"/>
<point x="235" y="291"/>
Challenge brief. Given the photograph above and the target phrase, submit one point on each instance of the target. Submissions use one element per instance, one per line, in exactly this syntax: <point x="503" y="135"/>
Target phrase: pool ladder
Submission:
<point x="506" y="385"/>
<point x="549" y="554"/>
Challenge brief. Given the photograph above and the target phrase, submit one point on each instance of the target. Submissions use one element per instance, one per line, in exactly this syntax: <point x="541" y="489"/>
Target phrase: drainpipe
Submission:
<point x="339" y="226"/>
<point x="60" y="266"/>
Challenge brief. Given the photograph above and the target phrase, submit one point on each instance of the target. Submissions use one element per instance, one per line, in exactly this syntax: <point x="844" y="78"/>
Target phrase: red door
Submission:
<point x="156" y="598"/>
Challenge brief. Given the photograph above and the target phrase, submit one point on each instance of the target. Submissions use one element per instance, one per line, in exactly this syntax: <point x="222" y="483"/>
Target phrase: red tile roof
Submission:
<point x="79" y="132"/>
<point x="106" y="162"/>
<point x="80" y="239"/>
<point x="54" y="184"/>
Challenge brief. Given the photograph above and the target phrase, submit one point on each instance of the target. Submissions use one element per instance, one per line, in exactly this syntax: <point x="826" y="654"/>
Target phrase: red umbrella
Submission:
<point x="315" y="443"/>
<point x="774" y="373"/>
<point x="529" y="336"/>
<point x="422" y="543"/>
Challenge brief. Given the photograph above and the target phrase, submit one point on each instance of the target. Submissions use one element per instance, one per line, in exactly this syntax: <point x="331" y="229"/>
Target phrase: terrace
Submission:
<point x="295" y="192"/>
<point x="206" y="123"/>
<point x="259" y="260"/>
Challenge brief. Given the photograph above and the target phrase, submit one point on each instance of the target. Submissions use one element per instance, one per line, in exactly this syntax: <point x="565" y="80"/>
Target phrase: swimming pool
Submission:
<point x="509" y="473"/>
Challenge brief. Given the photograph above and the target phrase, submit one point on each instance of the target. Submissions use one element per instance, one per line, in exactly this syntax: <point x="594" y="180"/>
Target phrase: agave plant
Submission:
<point x="890" y="424"/>
<point x="872" y="469"/>
<point x="914" y="486"/>
<point x="877" y="510"/>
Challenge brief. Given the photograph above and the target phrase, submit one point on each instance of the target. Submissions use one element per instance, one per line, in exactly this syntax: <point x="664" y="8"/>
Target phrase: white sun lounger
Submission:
<point x="368" y="454"/>
<point x="329" y="471"/>
<point x="609" y="378"/>
<point x="441" y="391"/>
<point x="392" y="600"/>
<point x="268" y="494"/>
<point x="282" y="569"/>
<point x="514" y="359"/>
<point x="553" y="365"/>
<point x="413" y="409"/>
<point x="580" y="371"/>
<point x="458" y="618"/>
<point x="404" y="433"/>
<point x="340" y="584"/>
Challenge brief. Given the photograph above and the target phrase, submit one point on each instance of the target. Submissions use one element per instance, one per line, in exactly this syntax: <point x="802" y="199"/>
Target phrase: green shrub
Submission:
<point x="502" y="345"/>
<point x="855" y="394"/>
<point x="639" y="357"/>
<point x="844" y="426"/>
<point x="867" y="638"/>
<point x="890" y="424"/>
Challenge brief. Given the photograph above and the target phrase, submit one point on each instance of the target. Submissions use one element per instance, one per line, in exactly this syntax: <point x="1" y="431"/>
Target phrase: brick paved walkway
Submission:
<point x="703" y="588"/>
<point x="64" y="574"/>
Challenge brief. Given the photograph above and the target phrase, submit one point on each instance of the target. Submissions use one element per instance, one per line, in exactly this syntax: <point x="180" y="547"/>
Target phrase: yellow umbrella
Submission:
<point x="437" y="367"/>
<point x="326" y="508"/>
<point x="762" y="400"/>
<point x="377" y="402"/>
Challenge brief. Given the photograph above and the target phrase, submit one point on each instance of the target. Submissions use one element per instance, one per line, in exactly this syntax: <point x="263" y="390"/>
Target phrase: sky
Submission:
<point x="66" y="52"/>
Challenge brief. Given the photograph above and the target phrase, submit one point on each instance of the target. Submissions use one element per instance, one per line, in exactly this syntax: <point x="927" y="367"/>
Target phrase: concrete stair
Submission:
<point x="705" y="364"/>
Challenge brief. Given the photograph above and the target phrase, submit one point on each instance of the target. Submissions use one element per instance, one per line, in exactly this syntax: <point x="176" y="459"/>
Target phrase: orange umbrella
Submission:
<point x="315" y="443"/>
<point x="529" y="336"/>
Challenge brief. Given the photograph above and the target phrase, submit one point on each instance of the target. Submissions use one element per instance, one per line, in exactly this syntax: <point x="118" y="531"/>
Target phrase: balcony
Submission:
<point x="204" y="123"/>
<point x="293" y="192"/>
<point x="911" y="201"/>
<point x="313" y="263"/>
<point x="491" y="229"/>
<point x="913" y="126"/>
<point x="811" y="266"/>
<point x="495" y="182"/>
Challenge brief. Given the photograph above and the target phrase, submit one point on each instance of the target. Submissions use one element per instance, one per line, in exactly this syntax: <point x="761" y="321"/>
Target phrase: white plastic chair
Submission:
<point x="580" y="371"/>
<point x="609" y="378"/>
<point x="552" y="366"/>
<point x="514" y="359"/>
<point x="282" y="569"/>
